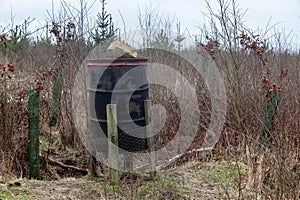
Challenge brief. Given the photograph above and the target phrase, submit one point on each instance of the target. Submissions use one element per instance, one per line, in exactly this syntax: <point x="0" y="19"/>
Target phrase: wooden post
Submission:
<point x="112" y="134"/>
<point x="128" y="166"/>
<point x="150" y="140"/>
<point x="92" y="162"/>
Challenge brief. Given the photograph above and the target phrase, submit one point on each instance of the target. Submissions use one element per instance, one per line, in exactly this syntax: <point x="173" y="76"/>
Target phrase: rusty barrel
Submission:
<point x="120" y="81"/>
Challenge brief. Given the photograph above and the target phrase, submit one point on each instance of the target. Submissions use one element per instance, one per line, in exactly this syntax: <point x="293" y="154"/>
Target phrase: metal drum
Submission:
<point x="120" y="78"/>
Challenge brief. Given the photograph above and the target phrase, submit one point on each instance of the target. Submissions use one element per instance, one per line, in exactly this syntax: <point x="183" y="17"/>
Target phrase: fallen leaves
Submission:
<point x="2" y="67"/>
<point x="11" y="67"/>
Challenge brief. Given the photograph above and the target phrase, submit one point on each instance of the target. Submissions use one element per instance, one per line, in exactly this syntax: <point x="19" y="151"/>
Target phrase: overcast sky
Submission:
<point x="284" y="13"/>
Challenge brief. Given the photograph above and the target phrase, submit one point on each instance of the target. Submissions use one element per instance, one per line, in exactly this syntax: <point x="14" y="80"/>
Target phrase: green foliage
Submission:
<point x="179" y="38"/>
<point x="109" y="188"/>
<point x="163" y="187"/>
<point x="5" y="195"/>
<point x="226" y="171"/>
<point x="163" y="41"/>
<point x="43" y="42"/>
<point x="8" y="196"/>
<point x="105" y="27"/>
<point x="19" y="40"/>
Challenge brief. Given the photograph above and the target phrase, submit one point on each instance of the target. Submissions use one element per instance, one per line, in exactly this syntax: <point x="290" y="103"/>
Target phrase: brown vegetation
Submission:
<point x="250" y="68"/>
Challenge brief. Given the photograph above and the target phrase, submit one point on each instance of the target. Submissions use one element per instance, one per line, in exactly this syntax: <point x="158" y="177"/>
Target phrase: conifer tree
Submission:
<point x="104" y="26"/>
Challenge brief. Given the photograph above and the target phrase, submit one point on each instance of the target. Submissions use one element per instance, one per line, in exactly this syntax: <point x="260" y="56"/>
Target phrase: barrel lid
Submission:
<point x="117" y="62"/>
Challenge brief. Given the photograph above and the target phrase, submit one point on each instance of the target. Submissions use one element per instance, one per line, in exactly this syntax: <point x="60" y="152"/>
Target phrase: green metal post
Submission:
<point x="56" y="96"/>
<point x="33" y="134"/>
<point x="272" y="101"/>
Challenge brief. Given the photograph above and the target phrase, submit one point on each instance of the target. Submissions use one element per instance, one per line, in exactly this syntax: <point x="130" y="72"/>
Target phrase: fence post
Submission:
<point x="33" y="134"/>
<point x="128" y="165"/>
<point x="271" y="112"/>
<point x="150" y="140"/>
<point x="112" y="134"/>
<point x="56" y="97"/>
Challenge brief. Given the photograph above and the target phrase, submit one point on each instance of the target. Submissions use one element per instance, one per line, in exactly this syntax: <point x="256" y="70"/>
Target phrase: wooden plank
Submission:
<point x="150" y="140"/>
<point x="112" y="133"/>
